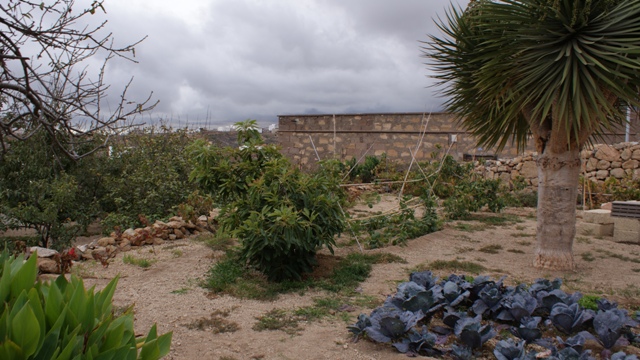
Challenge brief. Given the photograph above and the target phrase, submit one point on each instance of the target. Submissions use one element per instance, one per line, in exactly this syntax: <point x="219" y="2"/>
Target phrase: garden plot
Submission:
<point x="306" y="325"/>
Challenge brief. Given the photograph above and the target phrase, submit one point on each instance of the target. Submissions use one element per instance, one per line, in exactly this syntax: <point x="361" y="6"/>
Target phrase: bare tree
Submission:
<point x="45" y="82"/>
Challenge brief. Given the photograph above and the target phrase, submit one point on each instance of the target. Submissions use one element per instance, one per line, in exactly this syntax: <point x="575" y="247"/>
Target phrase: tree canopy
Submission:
<point x="562" y="69"/>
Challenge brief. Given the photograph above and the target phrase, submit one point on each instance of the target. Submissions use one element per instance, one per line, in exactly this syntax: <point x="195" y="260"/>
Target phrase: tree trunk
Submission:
<point x="558" y="176"/>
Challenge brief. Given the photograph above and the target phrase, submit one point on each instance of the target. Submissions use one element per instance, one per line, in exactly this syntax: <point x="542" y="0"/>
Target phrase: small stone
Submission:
<point x="43" y="252"/>
<point x="48" y="266"/>
<point x="618" y="173"/>
<point x="607" y="153"/>
<point x="106" y="241"/>
<point x="603" y="165"/>
<point x="172" y="237"/>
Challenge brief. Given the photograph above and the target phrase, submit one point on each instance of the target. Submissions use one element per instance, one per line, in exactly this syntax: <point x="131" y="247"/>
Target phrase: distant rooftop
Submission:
<point x="360" y="114"/>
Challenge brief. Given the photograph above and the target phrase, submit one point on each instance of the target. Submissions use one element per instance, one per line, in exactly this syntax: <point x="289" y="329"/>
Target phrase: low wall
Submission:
<point x="599" y="163"/>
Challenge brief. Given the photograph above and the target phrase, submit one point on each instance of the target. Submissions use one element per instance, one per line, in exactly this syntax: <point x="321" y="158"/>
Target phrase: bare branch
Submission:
<point x="44" y="84"/>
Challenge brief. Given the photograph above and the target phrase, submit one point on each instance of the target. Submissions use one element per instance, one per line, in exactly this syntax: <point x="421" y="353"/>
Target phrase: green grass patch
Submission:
<point x="216" y="243"/>
<point x="589" y="302"/>
<point x="340" y="275"/>
<point x="453" y="266"/>
<point x="278" y="319"/>
<point x="516" y="251"/>
<point x="491" y="249"/>
<point x="181" y="291"/>
<point x="143" y="263"/>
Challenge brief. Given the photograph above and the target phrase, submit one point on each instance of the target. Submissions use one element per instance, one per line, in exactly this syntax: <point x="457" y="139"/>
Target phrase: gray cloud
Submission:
<point x="225" y="60"/>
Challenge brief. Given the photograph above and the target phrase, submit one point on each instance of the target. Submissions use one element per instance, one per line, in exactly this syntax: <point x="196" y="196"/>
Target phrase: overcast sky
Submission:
<point x="214" y="62"/>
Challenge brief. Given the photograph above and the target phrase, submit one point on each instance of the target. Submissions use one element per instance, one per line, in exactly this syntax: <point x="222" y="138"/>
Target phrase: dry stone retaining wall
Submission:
<point x="599" y="163"/>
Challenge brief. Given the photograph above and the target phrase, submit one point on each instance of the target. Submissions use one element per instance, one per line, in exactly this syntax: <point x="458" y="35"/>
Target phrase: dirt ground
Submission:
<point x="167" y="293"/>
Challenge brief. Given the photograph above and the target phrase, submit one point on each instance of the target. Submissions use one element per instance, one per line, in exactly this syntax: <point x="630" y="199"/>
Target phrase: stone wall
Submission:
<point x="599" y="163"/>
<point x="345" y="136"/>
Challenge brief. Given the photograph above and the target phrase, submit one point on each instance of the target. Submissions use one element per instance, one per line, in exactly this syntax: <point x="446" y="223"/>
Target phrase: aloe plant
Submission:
<point x="63" y="320"/>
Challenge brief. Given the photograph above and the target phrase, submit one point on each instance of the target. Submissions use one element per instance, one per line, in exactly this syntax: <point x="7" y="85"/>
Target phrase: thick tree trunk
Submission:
<point x="558" y="176"/>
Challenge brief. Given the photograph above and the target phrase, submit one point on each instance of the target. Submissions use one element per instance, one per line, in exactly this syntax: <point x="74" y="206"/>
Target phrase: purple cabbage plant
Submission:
<point x="418" y="342"/>
<point x="389" y="324"/>
<point x="528" y="329"/>
<point x="570" y="318"/>
<point x="472" y="333"/>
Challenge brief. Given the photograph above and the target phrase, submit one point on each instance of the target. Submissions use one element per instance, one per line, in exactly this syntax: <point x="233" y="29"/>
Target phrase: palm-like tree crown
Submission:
<point x="562" y="69"/>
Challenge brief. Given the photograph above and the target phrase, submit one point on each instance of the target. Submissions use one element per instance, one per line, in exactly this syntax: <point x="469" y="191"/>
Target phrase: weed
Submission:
<point x="520" y="227"/>
<point x="491" y="249"/>
<point x="636" y="270"/>
<point x="181" y="291"/>
<point x="216" y="322"/>
<point x="471" y="227"/>
<point x="587" y="256"/>
<point x="176" y="253"/>
<point x="517" y="235"/>
<point x="81" y="270"/>
<point x="463" y="250"/>
<point x="216" y="243"/>
<point x="454" y="266"/>
<point x="621" y="257"/>
<point x="506" y="219"/>
<point x="583" y="240"/>
<point x="589" y="302"/>
<point x="277" y="319"/>
<point x="516" y="251"/>
<point x="524" y="243"/>
<point x="143" y="263"/>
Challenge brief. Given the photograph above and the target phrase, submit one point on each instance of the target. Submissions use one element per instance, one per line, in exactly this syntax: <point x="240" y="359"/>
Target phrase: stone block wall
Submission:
<point x="344" y="136"/>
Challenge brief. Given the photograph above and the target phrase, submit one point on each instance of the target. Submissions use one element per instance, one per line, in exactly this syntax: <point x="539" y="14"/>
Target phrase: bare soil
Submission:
<point x="168" y="292"/>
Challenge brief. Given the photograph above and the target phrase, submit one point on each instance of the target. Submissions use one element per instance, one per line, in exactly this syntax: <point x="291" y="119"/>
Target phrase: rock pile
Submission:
<point x="107" y="247"/>
<point x="599" y="163"/>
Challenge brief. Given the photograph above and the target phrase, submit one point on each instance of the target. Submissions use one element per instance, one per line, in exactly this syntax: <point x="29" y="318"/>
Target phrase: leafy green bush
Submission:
<point x="146" y="173"/>
<point x="464" y="190"/>
<point x="366" y="171"/>
<point x="227" y="173"/>
<point x="281" y="215"/>
<point x="398" y="228"/>
<point x="62" y="320"/>
<point x="42" y="189"/>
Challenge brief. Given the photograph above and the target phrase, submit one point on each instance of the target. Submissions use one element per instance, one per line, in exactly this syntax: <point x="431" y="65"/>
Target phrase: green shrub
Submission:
<point x="146" y="173"/>
<point x="284" y="219"/>
<point x="280" y="215"/>
<point x="62" y="320"/>
<point x="42" y="189"/>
